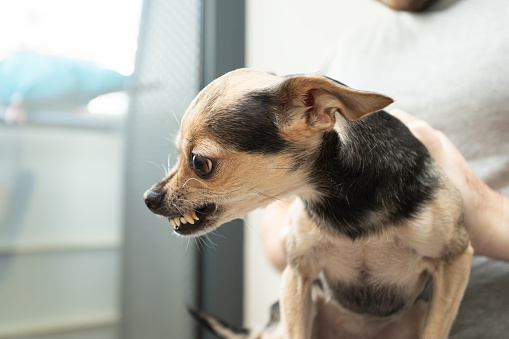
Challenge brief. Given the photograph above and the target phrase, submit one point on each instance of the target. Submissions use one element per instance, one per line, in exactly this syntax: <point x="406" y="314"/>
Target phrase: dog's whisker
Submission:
<point x="197" y="244"/>
<point x="178" y="209"/>
<point x="173" y="137"/>
<point x="213" y="243"/>
<point x="176" y="118"/>
<point x="199" y="240"/>
<point x="168" y="162"/>
<point x="183" y="200"/>
<point x="202" y="242"/>
<point x="157" y="166"/>
<point x="204" y="239"/>
<point x="197" y="190"/>
<point x="266" y="195"/>
<point x="216" y="233"/>
<point x="166" y="170"/>
<point x="252" y="228"/>
<point x="201" y="182"/>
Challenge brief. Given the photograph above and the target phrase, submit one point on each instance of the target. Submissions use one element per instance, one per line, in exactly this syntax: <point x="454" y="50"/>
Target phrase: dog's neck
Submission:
<point x="370" y="174"/>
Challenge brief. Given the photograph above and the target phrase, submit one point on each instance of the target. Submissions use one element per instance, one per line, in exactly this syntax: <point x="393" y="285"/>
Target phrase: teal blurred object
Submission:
<point x="49" y="82"/>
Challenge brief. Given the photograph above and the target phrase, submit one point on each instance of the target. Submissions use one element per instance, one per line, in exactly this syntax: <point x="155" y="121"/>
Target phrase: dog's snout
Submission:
<point x="153" y="200"/>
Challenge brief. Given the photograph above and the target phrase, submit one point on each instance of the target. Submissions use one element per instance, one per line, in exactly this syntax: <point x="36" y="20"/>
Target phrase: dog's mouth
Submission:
<point x="194" y="221"/>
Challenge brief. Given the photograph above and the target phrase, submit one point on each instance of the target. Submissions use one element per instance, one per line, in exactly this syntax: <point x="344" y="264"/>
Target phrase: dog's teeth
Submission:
<point x="193" y="214"/>
<point x="189" y="218"/>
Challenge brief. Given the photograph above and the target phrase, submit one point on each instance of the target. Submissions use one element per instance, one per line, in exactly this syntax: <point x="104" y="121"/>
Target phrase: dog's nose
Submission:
<point x="153" y="200"/>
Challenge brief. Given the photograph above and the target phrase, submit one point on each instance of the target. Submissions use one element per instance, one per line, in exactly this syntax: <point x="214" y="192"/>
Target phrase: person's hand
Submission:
<point x="486" y="211"/>
<point x="276" y="224"/>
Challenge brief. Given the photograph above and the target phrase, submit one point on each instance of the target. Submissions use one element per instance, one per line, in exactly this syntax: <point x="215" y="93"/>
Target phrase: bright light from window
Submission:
<point x="103" y="31"/>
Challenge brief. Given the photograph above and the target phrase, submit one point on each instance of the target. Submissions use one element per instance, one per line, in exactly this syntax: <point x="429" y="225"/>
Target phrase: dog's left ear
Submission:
<point x="315" y="99"/>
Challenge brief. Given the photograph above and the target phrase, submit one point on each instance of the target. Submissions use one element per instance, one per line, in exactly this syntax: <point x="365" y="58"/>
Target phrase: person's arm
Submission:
<point x="486" y="211"/>
<point x="275" y="227"/>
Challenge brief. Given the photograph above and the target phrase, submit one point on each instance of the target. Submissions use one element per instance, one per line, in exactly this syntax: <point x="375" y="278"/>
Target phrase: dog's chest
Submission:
<point x="381" y="259"/>
<point x="378" y="276"/>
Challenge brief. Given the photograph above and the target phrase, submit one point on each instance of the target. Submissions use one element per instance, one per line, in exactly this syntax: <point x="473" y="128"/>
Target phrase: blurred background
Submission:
<point x="91" y="93"/>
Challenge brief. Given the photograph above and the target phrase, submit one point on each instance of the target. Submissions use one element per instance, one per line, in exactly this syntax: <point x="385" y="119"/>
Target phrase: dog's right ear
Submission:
<point x="311" y="102"/>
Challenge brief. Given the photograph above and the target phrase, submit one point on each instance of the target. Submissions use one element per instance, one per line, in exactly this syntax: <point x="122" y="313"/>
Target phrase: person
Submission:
<point x="447" y="65"/>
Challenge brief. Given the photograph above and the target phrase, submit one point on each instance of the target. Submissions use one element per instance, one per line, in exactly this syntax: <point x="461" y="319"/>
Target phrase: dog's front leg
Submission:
<point x="448" y="287"/>
<point x="296" y="304"/>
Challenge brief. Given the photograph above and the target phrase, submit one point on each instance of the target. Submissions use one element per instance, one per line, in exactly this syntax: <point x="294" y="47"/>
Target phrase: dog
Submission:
<point x="374" y="219"/>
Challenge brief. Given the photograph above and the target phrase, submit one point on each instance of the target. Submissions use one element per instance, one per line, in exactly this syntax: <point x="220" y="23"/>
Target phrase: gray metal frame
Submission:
<point x="183" y="45"/>
<point x="222" y="266"/>
<point x="159" y="271"/>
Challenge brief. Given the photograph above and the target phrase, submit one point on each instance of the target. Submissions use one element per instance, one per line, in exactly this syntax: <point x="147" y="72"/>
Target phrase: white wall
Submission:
<point x="287" y="37"/>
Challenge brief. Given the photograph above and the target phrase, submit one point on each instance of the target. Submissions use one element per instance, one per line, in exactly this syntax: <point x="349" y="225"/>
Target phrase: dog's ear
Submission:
<point x="315" y="99"/>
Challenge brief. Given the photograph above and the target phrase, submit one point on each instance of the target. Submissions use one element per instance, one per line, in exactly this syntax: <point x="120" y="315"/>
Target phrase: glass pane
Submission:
<point x="65" y="67"/>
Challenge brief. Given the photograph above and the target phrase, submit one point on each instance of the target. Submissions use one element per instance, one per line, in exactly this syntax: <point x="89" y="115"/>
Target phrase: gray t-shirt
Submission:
<point x="449" y="66"/>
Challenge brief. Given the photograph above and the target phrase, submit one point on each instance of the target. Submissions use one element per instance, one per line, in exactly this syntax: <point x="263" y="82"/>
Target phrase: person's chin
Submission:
<point x="408" y="5"/>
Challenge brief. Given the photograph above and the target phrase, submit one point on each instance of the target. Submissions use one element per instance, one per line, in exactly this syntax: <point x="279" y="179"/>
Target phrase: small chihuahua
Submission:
<point x="374" y="220"/>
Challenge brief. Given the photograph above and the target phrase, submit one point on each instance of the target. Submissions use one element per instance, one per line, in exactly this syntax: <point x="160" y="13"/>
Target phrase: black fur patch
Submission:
<point x="383" y="169"/>
<point x="275" y="314"/>
<point x="250" y="125"/>
<point x="379" y="301"/>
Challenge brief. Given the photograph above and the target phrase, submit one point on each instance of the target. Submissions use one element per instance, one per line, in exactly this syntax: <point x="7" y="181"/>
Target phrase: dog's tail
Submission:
<point x="219" y="327"/>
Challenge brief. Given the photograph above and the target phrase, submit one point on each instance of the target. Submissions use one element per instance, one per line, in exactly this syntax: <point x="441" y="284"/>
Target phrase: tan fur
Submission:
<point x="428" y="236"/>
<point x="435" y="241"/>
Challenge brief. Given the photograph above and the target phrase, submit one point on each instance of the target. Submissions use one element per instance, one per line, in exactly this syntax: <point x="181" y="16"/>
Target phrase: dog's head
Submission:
<point x="246" y="140"/>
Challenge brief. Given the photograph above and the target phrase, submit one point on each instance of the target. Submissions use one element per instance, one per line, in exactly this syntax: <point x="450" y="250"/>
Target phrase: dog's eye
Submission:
<point x="202" y="166"/>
